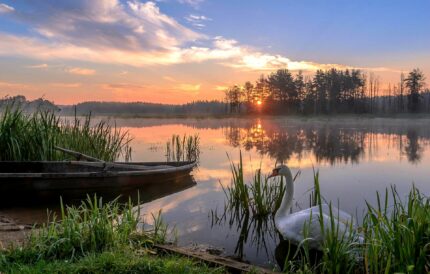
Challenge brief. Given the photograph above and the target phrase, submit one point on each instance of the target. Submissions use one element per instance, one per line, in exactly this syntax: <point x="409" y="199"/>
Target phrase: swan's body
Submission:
<point x="305" y="224"/>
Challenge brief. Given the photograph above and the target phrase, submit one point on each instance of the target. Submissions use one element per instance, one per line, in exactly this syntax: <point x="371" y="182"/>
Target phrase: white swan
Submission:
<point x="291" y="226"/>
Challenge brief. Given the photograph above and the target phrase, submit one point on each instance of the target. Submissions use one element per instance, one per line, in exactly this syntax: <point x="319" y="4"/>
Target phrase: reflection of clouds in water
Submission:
<point x="171" y="203"/>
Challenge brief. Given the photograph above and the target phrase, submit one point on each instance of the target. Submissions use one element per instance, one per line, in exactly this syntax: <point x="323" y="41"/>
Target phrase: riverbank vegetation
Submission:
<point x="96" y="237"/>
<point x="35" y="136"/>
<point x="395" y="232"/>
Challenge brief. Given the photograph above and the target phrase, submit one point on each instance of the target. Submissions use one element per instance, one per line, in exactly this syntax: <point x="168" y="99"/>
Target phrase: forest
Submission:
<point x="329" y="92"/>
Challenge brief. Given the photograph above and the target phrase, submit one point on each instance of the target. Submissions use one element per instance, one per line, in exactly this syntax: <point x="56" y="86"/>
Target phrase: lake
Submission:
<point x="355" y="157"/>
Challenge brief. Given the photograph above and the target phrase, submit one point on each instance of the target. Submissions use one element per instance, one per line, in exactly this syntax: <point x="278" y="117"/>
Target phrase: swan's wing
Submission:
<point x="339" y="215"/>
<point x="299" y="226"/>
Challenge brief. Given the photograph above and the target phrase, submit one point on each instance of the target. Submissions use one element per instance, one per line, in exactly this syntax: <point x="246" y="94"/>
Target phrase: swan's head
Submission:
<point x="281" y="170"/>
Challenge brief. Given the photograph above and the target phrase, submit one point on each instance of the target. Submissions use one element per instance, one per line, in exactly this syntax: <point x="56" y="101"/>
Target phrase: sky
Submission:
<point x="177" y="51"/>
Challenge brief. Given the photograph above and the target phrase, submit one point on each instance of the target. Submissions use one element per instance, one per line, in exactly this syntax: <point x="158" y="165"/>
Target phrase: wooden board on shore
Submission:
<point x="213" y="260"/>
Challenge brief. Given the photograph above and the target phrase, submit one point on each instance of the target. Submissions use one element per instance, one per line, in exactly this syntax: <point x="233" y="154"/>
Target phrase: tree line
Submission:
<point x="328" y="92"/>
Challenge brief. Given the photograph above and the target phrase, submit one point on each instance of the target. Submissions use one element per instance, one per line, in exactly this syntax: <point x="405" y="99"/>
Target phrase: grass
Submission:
<point x="33" y="137"/>
<point x="257" y="197"/>
<point x="185" y="148"/>
<point x="96" y="237"/>
<point x="118" y="262"/>
<point x="398" y="236"/>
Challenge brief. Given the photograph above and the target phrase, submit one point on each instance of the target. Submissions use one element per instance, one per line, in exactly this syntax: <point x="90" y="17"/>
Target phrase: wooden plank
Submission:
<point x="213" y="260"/>
<point x="78" y="155"/>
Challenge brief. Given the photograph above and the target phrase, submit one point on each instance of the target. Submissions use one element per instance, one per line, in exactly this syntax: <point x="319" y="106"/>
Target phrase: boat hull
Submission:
<point x="80" y="180"/>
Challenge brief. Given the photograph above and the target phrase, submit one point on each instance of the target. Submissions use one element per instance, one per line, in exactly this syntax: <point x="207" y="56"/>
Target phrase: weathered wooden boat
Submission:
<point x="40" y="181"/>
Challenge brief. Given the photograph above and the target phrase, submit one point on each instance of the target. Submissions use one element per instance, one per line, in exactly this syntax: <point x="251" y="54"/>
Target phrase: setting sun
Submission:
<point x="259" y="102"/>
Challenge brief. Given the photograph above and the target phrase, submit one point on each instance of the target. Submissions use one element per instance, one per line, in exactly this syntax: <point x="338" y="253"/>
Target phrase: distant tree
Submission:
<point x="248" y="88"/>
<point x="320" y="86"/>
<point x="234" y="95"/>
<point x="414" y="83"/>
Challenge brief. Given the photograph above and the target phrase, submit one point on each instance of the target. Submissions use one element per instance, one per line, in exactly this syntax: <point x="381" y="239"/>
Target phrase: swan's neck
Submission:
<point x="287" y="199"/>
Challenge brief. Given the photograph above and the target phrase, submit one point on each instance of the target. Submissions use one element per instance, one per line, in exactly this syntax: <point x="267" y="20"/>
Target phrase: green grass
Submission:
<point x="185" y="148"/>
<point x="398" y="236"/>
<point x="257" y="197"/>
<point x="122" y="261"/>
<point x="33" y="137"/>
<point x="96" y="237"/>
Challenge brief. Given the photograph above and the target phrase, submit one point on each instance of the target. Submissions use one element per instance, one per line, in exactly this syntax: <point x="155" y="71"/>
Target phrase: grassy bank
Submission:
<point x="32" y="137"/>
<point x="96" y="237"/>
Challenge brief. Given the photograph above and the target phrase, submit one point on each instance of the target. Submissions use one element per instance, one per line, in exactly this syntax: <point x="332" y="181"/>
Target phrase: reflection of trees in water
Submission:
<point x="281" y="144"/>
<point x="413" y="149"/>
<point x="329" y="144"/>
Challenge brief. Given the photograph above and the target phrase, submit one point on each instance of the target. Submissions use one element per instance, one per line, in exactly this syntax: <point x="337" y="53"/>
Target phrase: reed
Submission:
<point x="33" y="137"/>
<point x="397" y="236"/>
<point x="257" y="197"/>
<point x="185" y="148"/>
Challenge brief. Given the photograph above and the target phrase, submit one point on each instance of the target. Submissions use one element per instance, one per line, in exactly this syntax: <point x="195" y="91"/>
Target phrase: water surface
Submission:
<point x="355" y="157"/>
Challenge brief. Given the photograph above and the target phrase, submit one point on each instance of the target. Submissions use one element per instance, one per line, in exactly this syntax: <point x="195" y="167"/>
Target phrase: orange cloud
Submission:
<point x="81" y="71"/>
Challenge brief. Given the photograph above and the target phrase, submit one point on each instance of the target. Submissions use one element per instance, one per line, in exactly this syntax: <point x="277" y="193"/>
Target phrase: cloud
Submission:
<point x="221" y="88"/>
<point x="39" y="66"/>
<point x="197" y="20"/>
<point x="80" y="71"/>
<point x="9" y="85"/>
<point x="6" y="8"/>
<point x="131" y="26"/>
<point x="193" y="3"/>
<point x="130" y="33"/>
<point x="189" y="87"/>
<point x="66" y="85"/>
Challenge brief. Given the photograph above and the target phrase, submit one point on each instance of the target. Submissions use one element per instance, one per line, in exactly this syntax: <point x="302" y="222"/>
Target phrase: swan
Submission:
<point x="291" y="226"/>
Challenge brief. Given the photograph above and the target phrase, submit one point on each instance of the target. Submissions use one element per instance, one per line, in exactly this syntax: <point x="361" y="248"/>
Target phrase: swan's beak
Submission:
<point x="275" y="173"/>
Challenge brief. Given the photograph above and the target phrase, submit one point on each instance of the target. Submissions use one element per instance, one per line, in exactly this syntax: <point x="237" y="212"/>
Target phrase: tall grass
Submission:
<point x="92" y="227"/>
<point x="258" y="197"/>
<point x="398" y="236"/>
<point x="32" y="137"/>
<point x="185" y="148"/>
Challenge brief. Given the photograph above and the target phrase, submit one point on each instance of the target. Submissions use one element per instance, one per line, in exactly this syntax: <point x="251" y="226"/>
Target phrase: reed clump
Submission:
<point x="33" y="137"/>
<point x="397" y="234"/>
<point x="257" y="197"/>
<point x="185" y="148"/>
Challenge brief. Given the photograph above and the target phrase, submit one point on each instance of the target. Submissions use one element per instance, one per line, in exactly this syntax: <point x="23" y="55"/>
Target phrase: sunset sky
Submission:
<point x="176" y="51"/>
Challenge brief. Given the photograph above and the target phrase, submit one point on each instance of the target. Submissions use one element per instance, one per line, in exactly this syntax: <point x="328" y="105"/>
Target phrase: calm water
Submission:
<point x="355" y="157"/>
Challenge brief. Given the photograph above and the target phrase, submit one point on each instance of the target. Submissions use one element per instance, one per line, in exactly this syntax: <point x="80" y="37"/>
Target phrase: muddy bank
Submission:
<point x="12" y="232"/>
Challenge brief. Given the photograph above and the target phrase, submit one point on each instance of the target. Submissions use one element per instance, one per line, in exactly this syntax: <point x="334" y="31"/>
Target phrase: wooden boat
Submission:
<point x="40" y="181"/>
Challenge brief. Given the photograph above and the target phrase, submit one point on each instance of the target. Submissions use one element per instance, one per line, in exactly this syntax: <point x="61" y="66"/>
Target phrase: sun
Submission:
<point x="259" y="102"/>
